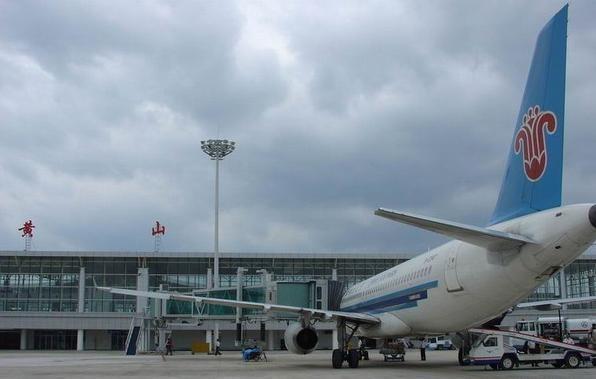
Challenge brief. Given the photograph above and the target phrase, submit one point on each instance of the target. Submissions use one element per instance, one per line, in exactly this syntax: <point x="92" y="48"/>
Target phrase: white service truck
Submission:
<point x="495" y="349"/>
<point x="439" y="343"/>
<point x="577" y="328"/>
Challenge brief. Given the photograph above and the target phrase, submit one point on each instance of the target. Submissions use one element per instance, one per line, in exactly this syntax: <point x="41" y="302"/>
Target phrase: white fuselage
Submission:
<point x="458" y="285"/>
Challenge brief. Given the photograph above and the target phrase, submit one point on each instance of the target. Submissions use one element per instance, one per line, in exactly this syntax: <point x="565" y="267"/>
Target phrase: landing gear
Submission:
<point x="337" y="358"/>
<point x="353" y="358"/>
<point x="344" y="353"/>
<point x="464" y="348"/>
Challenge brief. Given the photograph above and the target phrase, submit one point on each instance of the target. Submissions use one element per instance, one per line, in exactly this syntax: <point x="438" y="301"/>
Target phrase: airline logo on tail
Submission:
<point x="530" y="140"/>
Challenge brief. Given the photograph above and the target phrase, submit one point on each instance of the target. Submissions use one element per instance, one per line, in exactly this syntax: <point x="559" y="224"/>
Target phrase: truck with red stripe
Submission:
<point x="495" y="348"/>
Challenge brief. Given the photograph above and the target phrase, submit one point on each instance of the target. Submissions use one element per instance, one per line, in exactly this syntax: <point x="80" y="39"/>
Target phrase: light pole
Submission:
<point x="217" y="149"/>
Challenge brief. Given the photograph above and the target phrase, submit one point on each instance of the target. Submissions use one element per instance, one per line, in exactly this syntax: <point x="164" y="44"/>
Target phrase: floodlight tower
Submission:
<point x="217" y="149"/>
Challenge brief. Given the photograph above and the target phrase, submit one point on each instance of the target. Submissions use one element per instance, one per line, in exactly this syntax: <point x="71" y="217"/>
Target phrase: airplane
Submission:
<point x="483" y="271"/>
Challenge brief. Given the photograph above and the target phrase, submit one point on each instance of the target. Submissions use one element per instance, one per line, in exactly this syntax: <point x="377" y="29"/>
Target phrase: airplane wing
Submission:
<point x="361" y="318"/>
<point x="488" y="238"/>
<point x="557" y="303"/>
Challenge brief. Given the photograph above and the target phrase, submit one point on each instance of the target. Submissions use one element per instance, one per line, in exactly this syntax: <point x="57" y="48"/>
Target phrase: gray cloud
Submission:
<point x="337" y="108"/>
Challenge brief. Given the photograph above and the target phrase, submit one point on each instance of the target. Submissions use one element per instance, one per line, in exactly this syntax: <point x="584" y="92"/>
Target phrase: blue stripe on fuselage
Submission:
<point x="394" y="300"/>
<point x="411" y="304"/>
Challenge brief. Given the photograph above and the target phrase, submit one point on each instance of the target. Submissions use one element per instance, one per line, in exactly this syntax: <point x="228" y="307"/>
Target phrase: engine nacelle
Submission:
<point x="300" y="340"/>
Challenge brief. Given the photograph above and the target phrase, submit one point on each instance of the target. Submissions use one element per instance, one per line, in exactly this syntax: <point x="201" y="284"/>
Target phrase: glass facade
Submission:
<point x="50" y="284"/>
<point x="178" y="274"/>
<point x="54" y="339"/>
<point x="31" y="284"/>
<point x="110" y="272"/>
<point x="580" y="277"/>
<point x="580" y="281"/>
<point x="547" y="291"/>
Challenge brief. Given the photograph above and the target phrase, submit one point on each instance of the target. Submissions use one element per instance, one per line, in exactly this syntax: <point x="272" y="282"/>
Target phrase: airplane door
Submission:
<point x="451" y="279"/>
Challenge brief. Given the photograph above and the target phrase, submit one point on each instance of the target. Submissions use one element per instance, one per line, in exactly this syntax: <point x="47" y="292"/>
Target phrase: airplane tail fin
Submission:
<point x="534" y="173"/>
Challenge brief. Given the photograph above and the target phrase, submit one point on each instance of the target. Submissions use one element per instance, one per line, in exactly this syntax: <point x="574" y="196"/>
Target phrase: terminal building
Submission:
<point x="48" y="299"/>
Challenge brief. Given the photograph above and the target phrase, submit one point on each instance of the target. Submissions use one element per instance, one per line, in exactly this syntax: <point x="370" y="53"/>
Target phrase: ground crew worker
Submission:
<point x="217" y="347"/>
<point x="592" y="336"/>
<point x="169" y="346"/>
<point x="423" y="346"/>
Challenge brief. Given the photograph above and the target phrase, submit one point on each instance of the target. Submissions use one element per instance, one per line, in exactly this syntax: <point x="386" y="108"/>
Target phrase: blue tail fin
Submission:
<point x="534" y="173"/>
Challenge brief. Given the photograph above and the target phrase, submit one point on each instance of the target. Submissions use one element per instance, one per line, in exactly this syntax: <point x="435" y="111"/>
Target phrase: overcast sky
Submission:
<point x="337" y="108"/>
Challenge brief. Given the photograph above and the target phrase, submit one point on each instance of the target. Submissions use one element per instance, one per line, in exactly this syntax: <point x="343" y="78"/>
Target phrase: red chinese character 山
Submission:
<point x="27" y="229"/>
<point x="530" y="140"/>
<point x="158" y="229"/>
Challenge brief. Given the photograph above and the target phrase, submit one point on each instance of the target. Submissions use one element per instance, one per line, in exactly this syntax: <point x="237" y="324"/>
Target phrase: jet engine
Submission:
<point x="301" y="340"/>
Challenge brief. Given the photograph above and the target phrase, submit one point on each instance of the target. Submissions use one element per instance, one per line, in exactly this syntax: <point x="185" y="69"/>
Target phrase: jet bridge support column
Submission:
<point x="239" y="287"/>
<point x="209" y="339"/>
<point x="335" y="339"/>
<point x="563" y="286"/>
<point x="270" y="339"/>
<point x="81" y="308"/>
<point x="142" y="307"/>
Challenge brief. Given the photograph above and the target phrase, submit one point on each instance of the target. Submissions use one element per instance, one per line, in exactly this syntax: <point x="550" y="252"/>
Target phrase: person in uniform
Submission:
<point x="169" y="346"/>
<point x="217" y="347"/>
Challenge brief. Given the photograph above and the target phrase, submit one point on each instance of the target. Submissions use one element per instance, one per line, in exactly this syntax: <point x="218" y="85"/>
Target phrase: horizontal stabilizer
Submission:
<point x="488" y="238"/>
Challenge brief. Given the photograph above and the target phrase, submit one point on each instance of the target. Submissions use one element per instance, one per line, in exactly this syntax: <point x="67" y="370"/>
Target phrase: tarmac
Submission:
<point x="439" y="364"/>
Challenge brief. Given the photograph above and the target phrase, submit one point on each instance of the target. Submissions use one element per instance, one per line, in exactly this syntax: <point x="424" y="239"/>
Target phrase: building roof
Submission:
<point x="589" y="254"/>
<point x="201" y="254"/>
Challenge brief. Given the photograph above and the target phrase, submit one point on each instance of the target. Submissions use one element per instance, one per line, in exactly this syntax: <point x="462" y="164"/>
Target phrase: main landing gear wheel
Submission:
<point x="353" y="358"/>
<point x="337" y="358"/>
